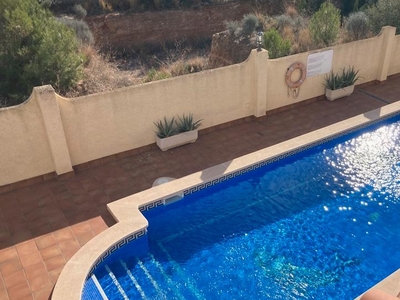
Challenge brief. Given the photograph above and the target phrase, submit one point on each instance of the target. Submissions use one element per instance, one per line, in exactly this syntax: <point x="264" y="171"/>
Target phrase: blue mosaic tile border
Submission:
<point x="151" y="205"/>
<point x="114" y="248"/>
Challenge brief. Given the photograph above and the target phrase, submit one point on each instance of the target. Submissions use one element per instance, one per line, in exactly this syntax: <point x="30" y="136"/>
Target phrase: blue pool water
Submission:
<point x="321" y="224"/>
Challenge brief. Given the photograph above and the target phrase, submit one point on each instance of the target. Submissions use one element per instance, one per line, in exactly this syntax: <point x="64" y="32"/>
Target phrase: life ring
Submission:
<point x="296" y="66"/>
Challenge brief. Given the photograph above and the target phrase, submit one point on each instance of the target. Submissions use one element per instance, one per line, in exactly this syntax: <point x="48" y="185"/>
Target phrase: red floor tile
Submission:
<point x="50" y="252"/>
<point x="10" y="267"/>
<point x="63" y="234"/>
<point x="54" y="262"/>
<point x="45" y="241"/>
<point x="30" y="259"/>
<point x="26" y="247"/>
<point x="20" y="292"/>
<point x="8" y="254"/>
<point x="16" y="278"/>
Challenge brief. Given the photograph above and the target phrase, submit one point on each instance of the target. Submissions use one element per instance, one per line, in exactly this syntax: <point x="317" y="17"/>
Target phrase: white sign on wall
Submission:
<point x="319" y="63"/>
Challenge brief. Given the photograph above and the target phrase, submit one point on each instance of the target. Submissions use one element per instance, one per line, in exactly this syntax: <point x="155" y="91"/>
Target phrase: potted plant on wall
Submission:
<point x="340" y="84"/>
<point x="173" y="133"/>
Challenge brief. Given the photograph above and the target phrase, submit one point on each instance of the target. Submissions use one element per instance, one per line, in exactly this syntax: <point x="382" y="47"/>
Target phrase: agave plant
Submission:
<point x="166" y="128"/>
<point x="349" y="77"/>
<point x="186" y="123"/>
<point x="334" y="81"/>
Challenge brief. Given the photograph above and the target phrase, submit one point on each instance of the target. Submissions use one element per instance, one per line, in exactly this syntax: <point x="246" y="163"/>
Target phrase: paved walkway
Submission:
<point x="42" y="226"/>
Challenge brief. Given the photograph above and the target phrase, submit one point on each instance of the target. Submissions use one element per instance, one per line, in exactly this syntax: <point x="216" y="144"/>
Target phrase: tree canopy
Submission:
<point x="35" y="50"/>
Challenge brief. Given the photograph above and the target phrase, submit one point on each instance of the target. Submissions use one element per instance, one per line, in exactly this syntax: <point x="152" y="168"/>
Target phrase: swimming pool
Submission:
<point x="318" y="224"/>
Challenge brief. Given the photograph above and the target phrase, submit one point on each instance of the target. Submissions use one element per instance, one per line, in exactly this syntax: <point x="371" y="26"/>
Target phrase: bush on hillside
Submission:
<point x="154" y="75"/>
<point x="249" y="24"/>
<point x="233" y="27"/>
<point x="81" y="29"/>
<point x="357" y="26"/>
<point x="290" y="19"/>
<point x="35" y="50"/>
<point x="245" y="27"/>
<point x="275" y="44"/>
<point x="308" y="7"/>
<point x="79" y="11"/>
<point x="384" y="13"/>
<point x="325" y="24"/>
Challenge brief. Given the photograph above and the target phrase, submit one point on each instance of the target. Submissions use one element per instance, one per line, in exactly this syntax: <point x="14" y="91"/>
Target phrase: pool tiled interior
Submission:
<point x="45" y="224"/>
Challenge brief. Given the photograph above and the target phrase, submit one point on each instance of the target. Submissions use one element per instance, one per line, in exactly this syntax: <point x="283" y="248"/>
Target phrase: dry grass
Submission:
<point x="192" y="65"/>
<point x="102" y="74"/>
<point x="291" y="10"/>
<point x="304" y="41"/>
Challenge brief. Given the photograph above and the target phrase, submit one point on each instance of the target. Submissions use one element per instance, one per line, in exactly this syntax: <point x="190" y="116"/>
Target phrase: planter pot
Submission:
<point x="177" y="140"/>
<point x="339" y="93"/>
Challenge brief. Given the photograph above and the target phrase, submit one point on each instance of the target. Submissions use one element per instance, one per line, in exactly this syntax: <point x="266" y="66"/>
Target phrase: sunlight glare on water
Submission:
<point x="370" y="160"/>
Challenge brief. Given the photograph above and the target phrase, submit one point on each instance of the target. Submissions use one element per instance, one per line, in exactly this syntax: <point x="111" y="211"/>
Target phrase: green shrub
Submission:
<point x="249" y="24"/>
<point x="283" y="21"/>
<point x="81" y="29"/>
<point x="357" y="26"/>
<point x="275" y="44"/>
<point x="46" y="3"/>
<point x="233" y="27"/>
<point x="35" y="49"/>
<point x="245" y="27"/>
<point x="154" y="75"/>
<point x="79" y="11"/>
<point x="309" y="6"/>
<point x="325" y="24"/>
<point x="295" y="21"/>
<point x="385" y="12"/>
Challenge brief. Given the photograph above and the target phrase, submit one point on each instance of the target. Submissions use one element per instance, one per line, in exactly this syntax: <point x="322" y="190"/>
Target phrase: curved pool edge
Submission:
<point x="390" y="284"/>
<point x="127" y="211"/>
<point x="72" y="278"/>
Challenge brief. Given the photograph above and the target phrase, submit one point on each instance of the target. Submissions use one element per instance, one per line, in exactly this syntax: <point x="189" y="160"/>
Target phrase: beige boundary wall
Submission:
<point x="49" y="133"/>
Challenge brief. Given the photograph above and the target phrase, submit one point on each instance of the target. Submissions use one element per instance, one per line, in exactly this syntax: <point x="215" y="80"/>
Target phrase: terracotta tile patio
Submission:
<point x="43" y="225"/>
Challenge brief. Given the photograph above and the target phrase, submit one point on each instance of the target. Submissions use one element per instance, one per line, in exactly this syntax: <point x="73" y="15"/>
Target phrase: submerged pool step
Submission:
<point x="99" y="288"/>
<point x="151" y="282"/>
<point x="116" y="283"/>
<point x="133" y="279"/>
<point x="145" y="279"/>
<point x="190" y="286"/>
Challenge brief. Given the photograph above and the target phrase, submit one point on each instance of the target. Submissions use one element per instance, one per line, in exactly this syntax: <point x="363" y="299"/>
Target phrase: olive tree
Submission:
<point x="357" y="26"/>
<point x="383" y="13"/>
<point x="35" y="50"/>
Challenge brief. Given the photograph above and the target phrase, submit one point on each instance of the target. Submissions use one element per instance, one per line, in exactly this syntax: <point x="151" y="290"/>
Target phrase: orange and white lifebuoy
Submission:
<point x="296" y="66"/>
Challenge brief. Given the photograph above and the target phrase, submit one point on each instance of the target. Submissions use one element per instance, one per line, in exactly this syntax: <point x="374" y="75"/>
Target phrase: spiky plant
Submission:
<point x="166" y="128"/>
<point x="186" y="123"/>
<point x="334" y="81"/>
<point x="349" y="76"/>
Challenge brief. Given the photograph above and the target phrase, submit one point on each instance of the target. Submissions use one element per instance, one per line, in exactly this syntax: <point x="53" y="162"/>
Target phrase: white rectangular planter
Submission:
<point x="177" y="140"/>
<point x="339" y="93"/>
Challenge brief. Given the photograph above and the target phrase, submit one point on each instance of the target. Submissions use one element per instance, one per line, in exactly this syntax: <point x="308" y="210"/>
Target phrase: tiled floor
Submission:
<point x="43" y="225"/>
